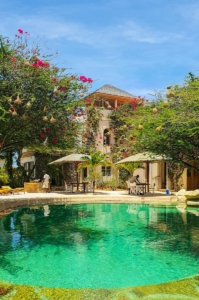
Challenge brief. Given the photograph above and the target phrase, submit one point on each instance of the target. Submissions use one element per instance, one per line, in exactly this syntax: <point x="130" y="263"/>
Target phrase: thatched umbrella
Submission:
<point x="75" y="158"/>
<point x="144" y="158"/>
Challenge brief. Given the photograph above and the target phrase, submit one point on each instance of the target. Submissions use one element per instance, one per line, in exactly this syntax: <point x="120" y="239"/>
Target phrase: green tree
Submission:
<point x="39" y="102"/>
<point x="169" y="126"/>
<point x="3" y="176"/>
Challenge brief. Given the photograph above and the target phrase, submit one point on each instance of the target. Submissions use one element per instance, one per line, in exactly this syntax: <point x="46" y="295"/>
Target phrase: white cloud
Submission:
<point x="134" y="32"/>
<point x="96" y="37"/>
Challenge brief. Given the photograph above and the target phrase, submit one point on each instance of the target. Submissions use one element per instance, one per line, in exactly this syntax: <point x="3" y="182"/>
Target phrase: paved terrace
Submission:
<point x="100" y="196"/>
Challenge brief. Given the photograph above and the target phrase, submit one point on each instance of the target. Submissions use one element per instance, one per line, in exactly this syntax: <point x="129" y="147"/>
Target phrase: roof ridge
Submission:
<point x="110" y="89"/>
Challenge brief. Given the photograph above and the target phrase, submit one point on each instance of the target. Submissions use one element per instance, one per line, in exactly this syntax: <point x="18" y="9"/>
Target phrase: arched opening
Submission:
<point x="106" y="137"/>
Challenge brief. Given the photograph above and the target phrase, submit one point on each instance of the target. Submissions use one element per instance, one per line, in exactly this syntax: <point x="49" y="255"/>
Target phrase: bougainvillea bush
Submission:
<point x="38" y="100"/>
<point x="122" y="128"/>
<point x="169" y="126"/>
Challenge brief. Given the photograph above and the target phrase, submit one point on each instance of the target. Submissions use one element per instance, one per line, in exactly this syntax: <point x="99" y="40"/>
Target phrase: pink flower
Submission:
<point x="83" y="78"/>
<point x="54" y="80"/>
<point x="147" y="100"/>
<point x="89" y="80"/>
<point x="42" y="135"/>
<point x="100" y="137"/>
<point x="40" y="63"/>
<point x="20" y="31"/>
<point x="35" y="65"/>
<point x="54" y="140"/>
<point x="46" y="65"/>
<point x="88" y="100"/>
<point x="62" y="88"/>
<point x="47" y="130"/>
<point x="72" y="76"/>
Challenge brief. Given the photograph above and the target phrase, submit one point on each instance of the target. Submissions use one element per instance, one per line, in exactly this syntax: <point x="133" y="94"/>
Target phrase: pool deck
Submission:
<point x="100" y="196"/>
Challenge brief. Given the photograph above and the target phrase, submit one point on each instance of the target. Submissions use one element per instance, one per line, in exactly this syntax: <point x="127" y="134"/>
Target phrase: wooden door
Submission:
<point x="193" y="178"/>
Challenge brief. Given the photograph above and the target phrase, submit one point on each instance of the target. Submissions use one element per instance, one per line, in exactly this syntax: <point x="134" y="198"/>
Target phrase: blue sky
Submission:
<point x="138" y="46"/>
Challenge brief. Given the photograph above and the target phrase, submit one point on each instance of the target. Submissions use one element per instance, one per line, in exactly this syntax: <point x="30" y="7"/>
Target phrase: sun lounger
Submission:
<point x="4" y="191"/>
<point x="8" y="189"/>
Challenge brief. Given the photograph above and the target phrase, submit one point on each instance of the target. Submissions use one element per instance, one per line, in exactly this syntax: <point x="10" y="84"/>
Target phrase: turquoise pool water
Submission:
<point x="98" y="245"/>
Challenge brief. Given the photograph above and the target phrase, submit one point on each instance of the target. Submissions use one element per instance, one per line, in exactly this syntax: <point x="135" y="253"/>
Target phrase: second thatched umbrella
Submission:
<point x="144" y="158"/>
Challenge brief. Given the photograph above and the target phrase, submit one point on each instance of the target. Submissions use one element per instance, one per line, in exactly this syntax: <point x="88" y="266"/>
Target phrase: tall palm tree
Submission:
<point x="96" y="159"/>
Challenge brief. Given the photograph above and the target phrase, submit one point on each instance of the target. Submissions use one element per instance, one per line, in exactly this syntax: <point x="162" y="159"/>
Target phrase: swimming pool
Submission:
<point x="98" y="245"/>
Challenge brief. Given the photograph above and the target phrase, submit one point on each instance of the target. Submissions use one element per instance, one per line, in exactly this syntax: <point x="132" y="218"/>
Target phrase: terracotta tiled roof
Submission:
<point x="111" y="90"/>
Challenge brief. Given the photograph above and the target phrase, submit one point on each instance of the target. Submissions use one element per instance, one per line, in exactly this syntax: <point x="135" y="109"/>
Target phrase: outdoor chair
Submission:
<point x="68" y="187"/>
<point x="89" y="187"/>
<point x="140" y="190"/>
<point x="4" y="191"/>
<point x="152" y="189"/>
<point x="133" y="188"/>
<point x="7" y="189"/>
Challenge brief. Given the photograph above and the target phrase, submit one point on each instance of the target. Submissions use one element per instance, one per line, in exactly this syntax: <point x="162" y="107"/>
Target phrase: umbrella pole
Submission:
<point x="76" y="165"/>
<point x="147" y="174"/>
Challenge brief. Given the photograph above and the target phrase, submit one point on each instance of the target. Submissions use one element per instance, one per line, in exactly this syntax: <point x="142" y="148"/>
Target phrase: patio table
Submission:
<point x="144" y="186"/>
<point x="73" y="184"/>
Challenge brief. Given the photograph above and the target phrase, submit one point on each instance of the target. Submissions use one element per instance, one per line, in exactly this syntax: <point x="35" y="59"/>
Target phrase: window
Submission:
<point x="106" y="171"/>
<point x="188" y="172"/>
<point x="84" y="173"/>
<point x="28" y="166"/>
<point x="106" y="137"/>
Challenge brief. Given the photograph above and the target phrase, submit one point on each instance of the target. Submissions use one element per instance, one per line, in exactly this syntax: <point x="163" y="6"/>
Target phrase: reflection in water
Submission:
<point x="98" y="245"/>
<point x="46" y="210"/>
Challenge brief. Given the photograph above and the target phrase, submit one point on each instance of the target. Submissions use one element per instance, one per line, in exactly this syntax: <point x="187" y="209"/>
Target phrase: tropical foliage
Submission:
<point x="3" y="176"/>
<point x="96" y="159"/>
<point x="124" y="139"/>
<point x="39" y="102"/>
<point x="90" y="128"/>
<point x="171" y="126"/>
<point x="167" y="126"/>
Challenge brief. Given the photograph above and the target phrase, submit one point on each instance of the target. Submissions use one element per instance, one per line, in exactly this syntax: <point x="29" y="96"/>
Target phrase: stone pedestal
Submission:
<point x="33" y="187"/>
